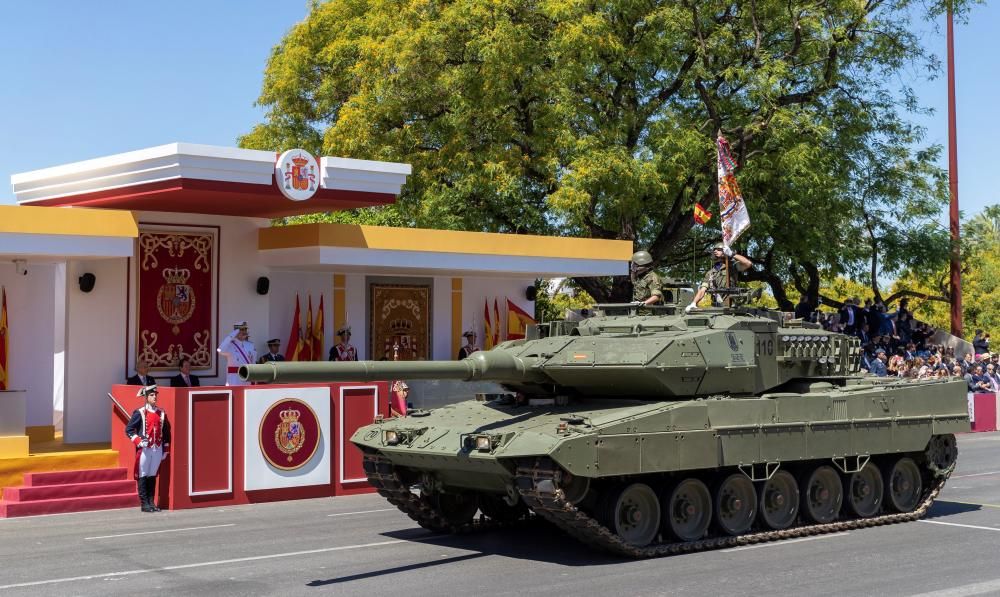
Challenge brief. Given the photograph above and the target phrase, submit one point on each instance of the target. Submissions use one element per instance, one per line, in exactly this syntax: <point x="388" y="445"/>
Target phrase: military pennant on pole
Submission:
<point x="732" y="209"/>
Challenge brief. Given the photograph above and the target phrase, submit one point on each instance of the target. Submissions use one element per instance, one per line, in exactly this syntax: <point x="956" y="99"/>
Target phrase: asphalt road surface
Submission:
<point x="358" y="545"/>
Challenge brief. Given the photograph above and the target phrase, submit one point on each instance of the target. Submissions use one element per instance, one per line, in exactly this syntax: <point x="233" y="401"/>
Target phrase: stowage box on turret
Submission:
<point x="654" y="432"/>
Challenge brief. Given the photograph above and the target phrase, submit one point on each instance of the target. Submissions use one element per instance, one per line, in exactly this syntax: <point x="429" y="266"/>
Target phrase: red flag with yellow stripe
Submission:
<point x="317" y="333"/>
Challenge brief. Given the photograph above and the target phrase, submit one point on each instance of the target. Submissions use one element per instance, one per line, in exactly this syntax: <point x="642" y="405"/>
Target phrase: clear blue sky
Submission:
<point x="87" y="79"/>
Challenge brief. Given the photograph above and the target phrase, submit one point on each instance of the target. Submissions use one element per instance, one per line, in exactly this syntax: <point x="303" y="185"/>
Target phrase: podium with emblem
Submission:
<point x="246" y="444"/>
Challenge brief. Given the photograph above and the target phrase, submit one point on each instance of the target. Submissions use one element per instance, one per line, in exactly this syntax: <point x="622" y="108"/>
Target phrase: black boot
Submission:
<point x="143" y="494"/>
<point x="151" y="494"/>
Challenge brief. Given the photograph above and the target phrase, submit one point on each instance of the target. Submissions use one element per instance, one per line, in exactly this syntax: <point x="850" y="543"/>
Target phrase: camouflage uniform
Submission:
<point x="715" y="278"/>
<point x="647" y="286"/>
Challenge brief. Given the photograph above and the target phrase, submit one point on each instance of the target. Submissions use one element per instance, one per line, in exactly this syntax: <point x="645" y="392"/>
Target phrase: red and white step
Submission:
<point x="59" y="492"/>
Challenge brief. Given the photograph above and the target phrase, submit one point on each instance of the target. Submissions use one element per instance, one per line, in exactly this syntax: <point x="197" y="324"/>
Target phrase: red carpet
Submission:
<point x="69" y="491"/>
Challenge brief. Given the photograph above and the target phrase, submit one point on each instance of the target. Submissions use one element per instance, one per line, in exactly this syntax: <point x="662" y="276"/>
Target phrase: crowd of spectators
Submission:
<point x="896" y="345"/>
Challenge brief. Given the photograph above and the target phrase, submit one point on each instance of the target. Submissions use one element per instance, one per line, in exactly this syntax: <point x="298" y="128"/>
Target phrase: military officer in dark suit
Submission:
<point x="273" y="346"/>
<point x="184" y="379"/>
<point x="142" y="376"/>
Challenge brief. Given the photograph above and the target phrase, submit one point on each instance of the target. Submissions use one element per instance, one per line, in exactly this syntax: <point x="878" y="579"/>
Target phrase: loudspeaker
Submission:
<point x="263" y="285"/>
<point x="530" y="293"/>
<point x="87" y="282"/>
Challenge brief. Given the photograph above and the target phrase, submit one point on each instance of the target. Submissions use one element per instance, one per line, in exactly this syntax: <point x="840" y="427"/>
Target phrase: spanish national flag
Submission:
<point x="701" y="215"/>
<point x="307" y="336"/>
<point x="518" y="321"/>
<point x="317" y="333"/>
<point x="496" y="323"/>
<point x="294" y="347"/>
<point x="487" y="326"/>
<point x="4" y="334"/>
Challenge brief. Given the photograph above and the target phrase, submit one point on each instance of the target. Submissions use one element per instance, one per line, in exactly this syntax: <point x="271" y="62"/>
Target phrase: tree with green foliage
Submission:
<point x="599" y="120"/>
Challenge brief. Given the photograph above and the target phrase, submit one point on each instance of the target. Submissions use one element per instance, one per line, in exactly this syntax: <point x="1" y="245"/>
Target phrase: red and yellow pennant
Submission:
<point x="487" y="326"/>
<point x="701" y="215"/>
<point x="518" y="321"/>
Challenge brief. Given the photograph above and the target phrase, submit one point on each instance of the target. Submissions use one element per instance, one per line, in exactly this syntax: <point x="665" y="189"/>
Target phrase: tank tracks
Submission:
<point x="383" y="477"/>
<point x="554" y="507"/>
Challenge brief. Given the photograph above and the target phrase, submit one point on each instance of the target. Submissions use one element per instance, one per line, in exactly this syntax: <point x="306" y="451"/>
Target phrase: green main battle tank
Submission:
<point x="648" y="432"/>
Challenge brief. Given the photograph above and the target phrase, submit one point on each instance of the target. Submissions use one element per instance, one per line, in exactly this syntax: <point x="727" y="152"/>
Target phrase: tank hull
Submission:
<point x="575" y="464"/>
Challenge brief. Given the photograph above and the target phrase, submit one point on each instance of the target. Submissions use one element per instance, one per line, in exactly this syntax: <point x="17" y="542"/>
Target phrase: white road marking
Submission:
<point x="109" y="575"/>
<point x="990" y="587"/>
<point x="214" y="526"/>
<point x="976" y="475"/>
<point x="362" y="512"/>
<point x="777" y="543"/>
<point x="955" y="524"/>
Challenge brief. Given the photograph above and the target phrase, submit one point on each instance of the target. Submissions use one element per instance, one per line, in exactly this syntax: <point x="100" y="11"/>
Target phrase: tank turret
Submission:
<point x="624" y="351"/>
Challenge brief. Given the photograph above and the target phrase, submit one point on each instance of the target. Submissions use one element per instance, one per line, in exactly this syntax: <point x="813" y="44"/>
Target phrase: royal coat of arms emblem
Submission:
<point x="175" y="300"/>
<point x="296" y="174"/>
<point x="289" y="434"/>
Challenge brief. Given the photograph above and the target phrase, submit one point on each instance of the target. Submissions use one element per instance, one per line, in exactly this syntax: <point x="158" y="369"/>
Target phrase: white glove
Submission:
<point x="689" y="308"/>
<point x="638" y="303"/>
<point x="144" y="443"/>
<point x="727" y="251"/>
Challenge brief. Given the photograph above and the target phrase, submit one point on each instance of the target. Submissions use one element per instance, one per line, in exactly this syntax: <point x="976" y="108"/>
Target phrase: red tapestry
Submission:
<point x="176" y="298"/>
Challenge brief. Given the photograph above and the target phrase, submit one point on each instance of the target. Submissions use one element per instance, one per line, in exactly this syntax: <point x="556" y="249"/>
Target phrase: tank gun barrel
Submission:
<point x="485" y="366"/>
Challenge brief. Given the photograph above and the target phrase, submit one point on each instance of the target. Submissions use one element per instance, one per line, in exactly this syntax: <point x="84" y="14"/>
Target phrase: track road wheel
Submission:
<point x="778" y="500"/>
<point x="633" y="513"/>
<point x="903" y="490"/>
<point x="735" y="504"/>
<point x="864" y="491"/>
<point x="689" y="510"/>
<point x="457" y="508"/>
<point x="822" y="495"/>
<point x="941" y="453"/>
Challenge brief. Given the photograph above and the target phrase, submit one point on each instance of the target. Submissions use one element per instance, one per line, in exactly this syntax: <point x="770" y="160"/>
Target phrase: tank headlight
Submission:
<point x="484" y="443"/>
<point x="391" y="437"/>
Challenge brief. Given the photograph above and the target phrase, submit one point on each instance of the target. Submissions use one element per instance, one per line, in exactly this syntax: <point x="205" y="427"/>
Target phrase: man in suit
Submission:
<point x="142" y="376"/>
<point x="273" y="354"/>
<point x="184" y="379"/>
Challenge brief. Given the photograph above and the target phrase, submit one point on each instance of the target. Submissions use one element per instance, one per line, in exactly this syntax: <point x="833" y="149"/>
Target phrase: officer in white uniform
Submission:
<point x="239" y="351"/>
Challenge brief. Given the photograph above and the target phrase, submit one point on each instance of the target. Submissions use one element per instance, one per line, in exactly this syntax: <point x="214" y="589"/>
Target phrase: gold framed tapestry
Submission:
<point x="176" y="296"/>
<point x="400" y="322"/>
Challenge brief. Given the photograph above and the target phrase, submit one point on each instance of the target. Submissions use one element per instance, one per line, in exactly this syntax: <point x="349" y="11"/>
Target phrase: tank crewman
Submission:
<point x="646" y="286"/>
<point x="149" y="430"/>
<point x="715" y="277"/>
<point x="397" y="399"/>
<point x="273" y="354"/>
<point x="239" y="351"/>
<point x="344" y="350"/>
<point x="470" y="345"/>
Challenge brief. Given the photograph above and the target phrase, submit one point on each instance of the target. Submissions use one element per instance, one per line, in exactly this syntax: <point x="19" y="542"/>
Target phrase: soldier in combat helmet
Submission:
<point x="646" y="286"/>
<point x="715" y="277"/>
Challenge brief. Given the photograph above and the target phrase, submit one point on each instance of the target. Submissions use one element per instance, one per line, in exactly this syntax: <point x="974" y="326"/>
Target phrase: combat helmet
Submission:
<point x="642" y="258"/>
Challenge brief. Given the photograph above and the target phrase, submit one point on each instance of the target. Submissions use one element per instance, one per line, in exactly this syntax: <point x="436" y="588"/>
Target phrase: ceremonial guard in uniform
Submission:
<point x="646" y="286"/>
<point x="470" y="345"/>
<point x="239" y="351"/>
<point x="273" y="346"/>
<point x="715" y="277"/>
<point x="343" y="350"/>
<point x="149" y="430"/>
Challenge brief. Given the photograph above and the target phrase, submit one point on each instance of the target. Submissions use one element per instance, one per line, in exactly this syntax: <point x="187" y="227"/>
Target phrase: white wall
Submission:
<point x="284" y="287"/>
<point x="30" y="313"/>
<point x="476" y="290"/>
<point x="95" y="348"/>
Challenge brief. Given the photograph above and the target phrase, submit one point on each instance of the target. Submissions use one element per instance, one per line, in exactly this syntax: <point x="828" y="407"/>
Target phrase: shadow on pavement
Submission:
<point x="397" y="569"/>
<point x="942" y="508"/>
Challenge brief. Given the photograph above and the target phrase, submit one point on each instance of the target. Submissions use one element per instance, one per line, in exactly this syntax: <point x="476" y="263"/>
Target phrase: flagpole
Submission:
<point x="956" y="256"/>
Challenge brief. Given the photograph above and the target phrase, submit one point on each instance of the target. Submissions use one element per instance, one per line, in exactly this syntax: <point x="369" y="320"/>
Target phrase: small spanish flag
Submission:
<point x="701" y="215"/>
